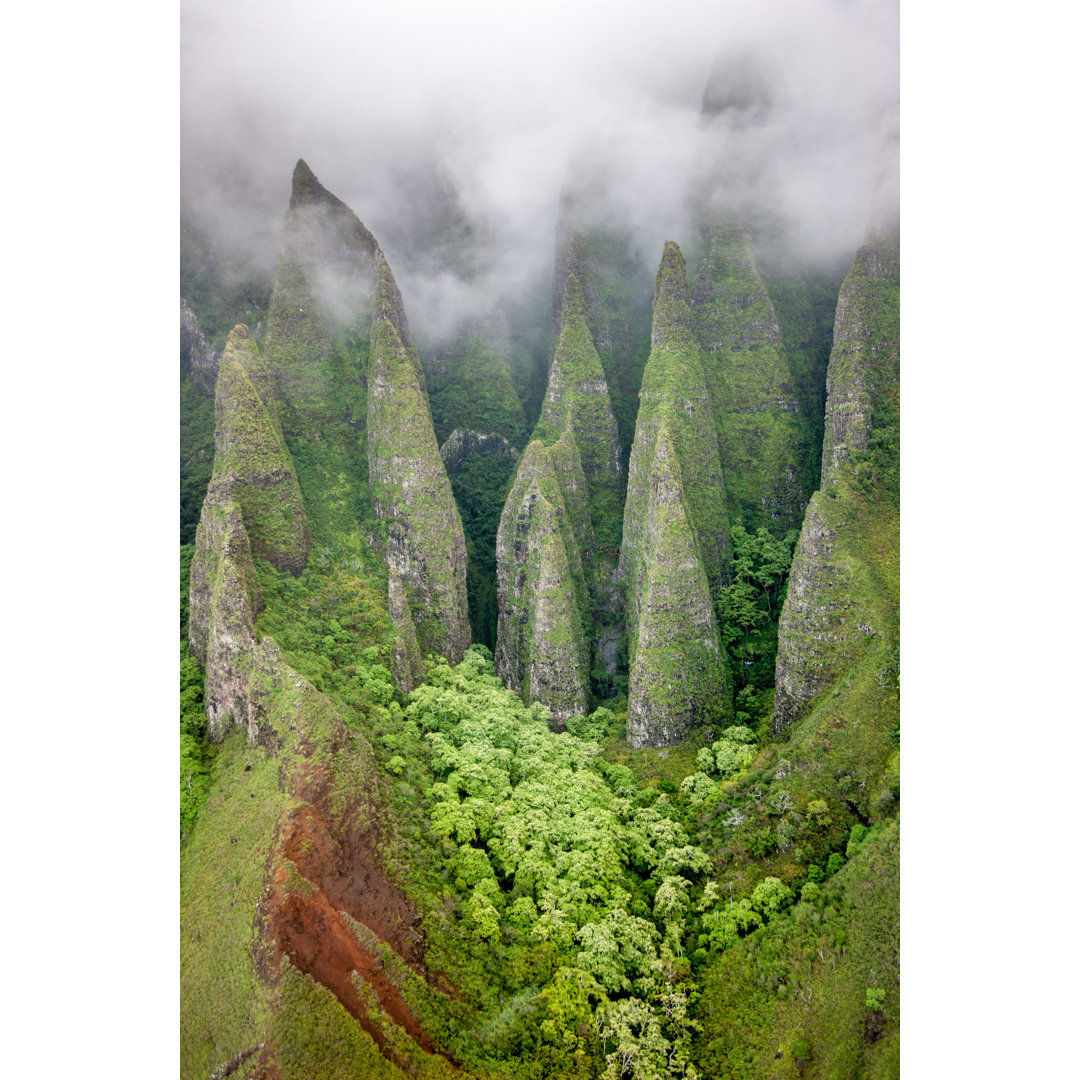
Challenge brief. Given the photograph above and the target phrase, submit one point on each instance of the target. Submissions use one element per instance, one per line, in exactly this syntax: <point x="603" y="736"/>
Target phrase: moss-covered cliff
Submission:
<point x="541" y="648"/>
<point x="843" y="594"/>
<point x="674" y="389"/>
<point x="411" y="495"/>
<point x="678" y="670"/>
<point x="765" y="444"/>
<point x="356" y="417"/>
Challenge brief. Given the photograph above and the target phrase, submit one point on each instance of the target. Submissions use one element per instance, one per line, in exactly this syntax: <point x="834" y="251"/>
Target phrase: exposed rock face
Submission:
<point x="464" y="444"/>
<point x="674" y="391"/>
<point x="616" y="294"/>
<point x="577" y="397"/>
<point x="843" y="591"/>
<point x="764" y="444"/>
<point x="196" y="353"/>
<point x="252" y="464"/>
<point x="677" y="666"/>
<point x="355" y="404"/>
<point x="323" y="287"/>
<point x="407" y="662"/>
<point x="410" y="491"/>
<point x="674" y="448"/>
<point x="863" y="384"/>
<point x="225" y="599"/>
<point x="541" y="651"/>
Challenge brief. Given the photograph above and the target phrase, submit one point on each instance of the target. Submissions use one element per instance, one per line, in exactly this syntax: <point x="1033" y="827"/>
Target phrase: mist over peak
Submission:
<point x="456" y="132"/>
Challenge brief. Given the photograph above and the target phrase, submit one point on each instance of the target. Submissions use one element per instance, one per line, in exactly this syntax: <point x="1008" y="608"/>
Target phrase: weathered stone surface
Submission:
<point x="464" y="444"/>
<point x="356" y="408"/>
<point x="674" y="392"/>
<point x="577" y="397"/>
<point x="196" y="353"/>
<point x="863" y="384"/>
<point x="407" y="664"/>
<point x="541" y="650"/>
<point x="678" y="670"/>
<point x="323" y="287"/>
<point x="843" y="590"/>
<point x="252" y="464"/>
<point x="410" y="491"/>
<point x="765" y="446"/>
<point x="225" y="600"/>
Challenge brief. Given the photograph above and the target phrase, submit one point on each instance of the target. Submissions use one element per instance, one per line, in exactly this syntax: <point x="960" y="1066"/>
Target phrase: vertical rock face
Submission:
<point x="677" y="667"/>
<point x="843" y="591"/>
<point x="225" y="599"/>
<point x="355" y="406"/>
<point x="577" y="397"/>
<point x="616" y="293"/>
<point x="410" y="491"/>
<point x="196" y="353"/>
<point x="676" y="549"/>
<point x="541" y="651"/>
<point x="251" y="460"/>
<point x="323" y="288"/>
<point x="863" y="383"/>
<point x="764" y="443"/>
<point x="674" y="391"/>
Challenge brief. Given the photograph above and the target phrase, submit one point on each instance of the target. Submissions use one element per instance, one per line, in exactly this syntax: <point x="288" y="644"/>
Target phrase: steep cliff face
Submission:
<point x="541" y="650"/>
<point x="616" y="294"/>
<point x="411" y="496"/>
<point x="196" y="356"/>
<point x="678" y="670"/>
<point x="674" y="391"/>
<point x="225" y="600"/>
<point x="577" y="397"/>
<point x="251" y="459"/>
<point x="355" y="415"/>
<point x="765" y="445"/>
<point x="863" y="384"/>
<point x="843" y="593"/>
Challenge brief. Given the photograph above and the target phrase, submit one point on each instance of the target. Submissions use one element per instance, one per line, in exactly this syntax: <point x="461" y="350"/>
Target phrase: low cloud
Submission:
<point x="455" y="130"/>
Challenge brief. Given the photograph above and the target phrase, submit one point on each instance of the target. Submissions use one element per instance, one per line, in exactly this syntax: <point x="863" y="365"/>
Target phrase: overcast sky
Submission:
<point x="506" y="105"/>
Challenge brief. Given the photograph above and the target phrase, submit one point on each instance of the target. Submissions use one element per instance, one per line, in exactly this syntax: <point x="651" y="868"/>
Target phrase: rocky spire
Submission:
<point x="541" y="650"/>
<point x="410" y="492"/>
<point x="863" y="383"/>
<point x="674" y="387"/>
<point x="843" y="591"/>
<point x="765" y="446"/>
<point x="195" y="352"/>
<point x="678" y="670"/>
<point x="577" y="397"/>
<point x="251" y="461"/>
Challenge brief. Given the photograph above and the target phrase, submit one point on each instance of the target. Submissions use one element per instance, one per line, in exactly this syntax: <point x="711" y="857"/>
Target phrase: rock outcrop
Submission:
<point x="765" y="445"/>
<point x="195" y="352"/>
<point x="541" y="650"/>
<point x="410" y="491"/>
<point x="675" y="477"/>
<point x="678" y="671"/>
<point x="577" y="398"/>
<point x="863" y="383"/>
<point x="674" y="389"/>
<point x="843" y="591"/>
<point x="252" y="464"/>
<point x="354" y="403"/>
